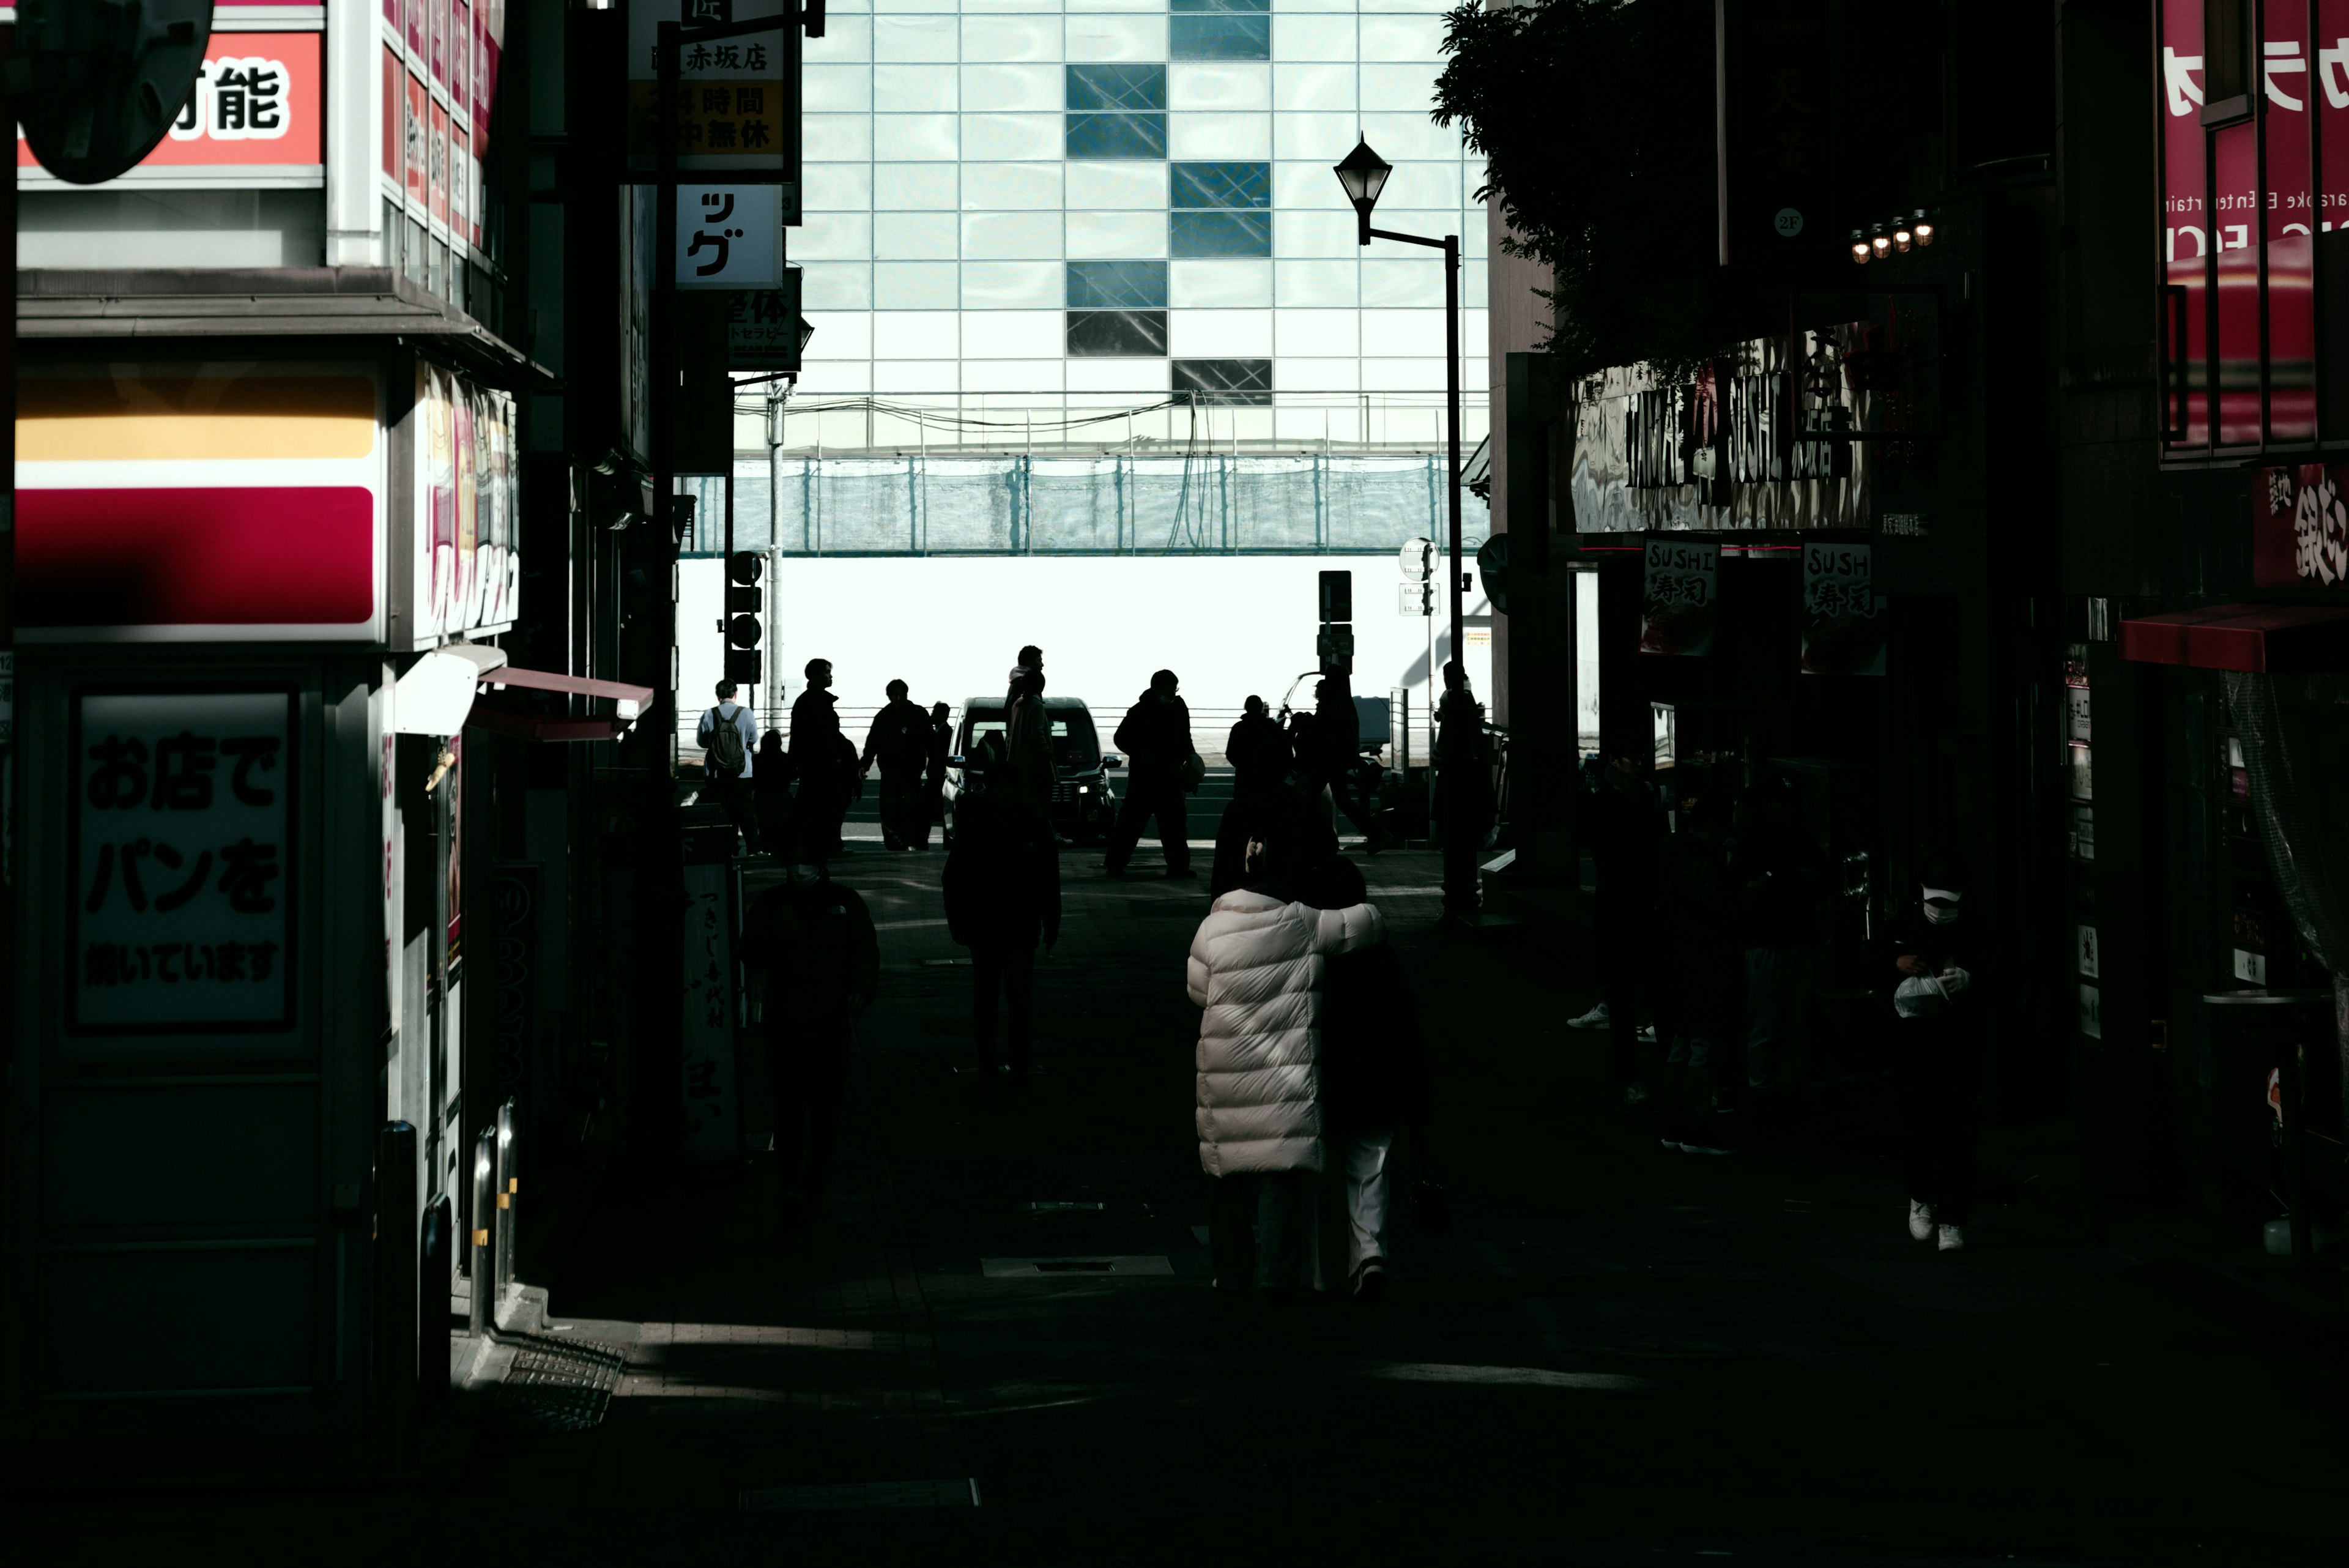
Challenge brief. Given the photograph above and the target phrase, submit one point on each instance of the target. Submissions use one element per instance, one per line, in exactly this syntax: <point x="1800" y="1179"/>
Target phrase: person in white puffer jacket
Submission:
<point x="1255" y="969"/>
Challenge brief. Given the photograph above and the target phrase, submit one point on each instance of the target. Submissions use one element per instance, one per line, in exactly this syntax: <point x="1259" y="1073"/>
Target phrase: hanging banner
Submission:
<point x="2300" y="526"/>
<point x="763" y="326"/>
<point x="1677" y="606"/>
<point x="738" y="99"/>
<point x="1843" y="620"/>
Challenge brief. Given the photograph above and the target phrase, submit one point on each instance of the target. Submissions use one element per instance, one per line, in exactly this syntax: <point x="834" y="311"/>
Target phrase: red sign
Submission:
<point x="2300" y="527"/>
<point x="259" y="100"/>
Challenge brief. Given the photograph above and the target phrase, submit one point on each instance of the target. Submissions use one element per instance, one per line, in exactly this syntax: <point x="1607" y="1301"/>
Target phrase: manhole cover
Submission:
<point x="961" y="1493"/>
<point x="1125" y="1267"/>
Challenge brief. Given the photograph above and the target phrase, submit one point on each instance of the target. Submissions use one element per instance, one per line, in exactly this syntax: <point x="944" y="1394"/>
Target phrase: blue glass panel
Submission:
<point x="1220" y="233"/>
<point x="1117" y="86"/>
<point x="1116" y="285"/>
<point x="1117" y="333"/>
<point x="1117" y="136"/>
<point x="1227" y="381"/>
<point x="1221" y="185"/>
<point x="1179" y="7"/>
<point x="1218" y="37"/>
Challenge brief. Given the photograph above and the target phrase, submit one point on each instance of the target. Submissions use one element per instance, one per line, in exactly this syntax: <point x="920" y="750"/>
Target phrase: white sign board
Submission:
<point x="737" y="103"/>
<point x="182" y="832"/>
<point x="729" y="237"/>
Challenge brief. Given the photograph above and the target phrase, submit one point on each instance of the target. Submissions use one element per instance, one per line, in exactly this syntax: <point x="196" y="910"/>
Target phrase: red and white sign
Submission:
<point x="259" y="103"/>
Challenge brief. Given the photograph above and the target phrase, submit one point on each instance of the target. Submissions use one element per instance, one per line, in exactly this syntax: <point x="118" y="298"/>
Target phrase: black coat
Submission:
<point x="1372" y="1060"/>
<point x="899" y="739"/>
<point x="1258" y="752"/>
<point x="822" y="757"/>
<point x="1941" y="947"/>
<point x="816" y="943"/>
<point x="1156" y="740"/>
<point x="1002" y="880"/>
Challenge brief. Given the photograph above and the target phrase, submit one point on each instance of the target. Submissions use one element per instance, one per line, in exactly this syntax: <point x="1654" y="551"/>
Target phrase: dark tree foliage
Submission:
<point x="1594" y="120"/>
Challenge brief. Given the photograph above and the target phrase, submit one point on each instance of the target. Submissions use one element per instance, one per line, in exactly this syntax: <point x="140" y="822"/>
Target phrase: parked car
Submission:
<point x="1083" y="803"/>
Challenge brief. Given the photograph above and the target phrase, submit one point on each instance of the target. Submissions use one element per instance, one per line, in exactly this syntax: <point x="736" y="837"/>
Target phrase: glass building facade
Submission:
<point x="1111" y="225"/>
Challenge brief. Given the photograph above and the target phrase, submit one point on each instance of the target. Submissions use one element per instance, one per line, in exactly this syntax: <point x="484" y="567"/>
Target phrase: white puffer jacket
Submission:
<point x="1255" y="967"/>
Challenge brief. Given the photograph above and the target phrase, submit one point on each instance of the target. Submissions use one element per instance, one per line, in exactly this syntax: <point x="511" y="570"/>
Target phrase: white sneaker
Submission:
<point x="1647" y="1034"/>
<point x="1594" y="1019"/>
<point x="1953" y="1239"/>
<point x="1921" y="1220"/>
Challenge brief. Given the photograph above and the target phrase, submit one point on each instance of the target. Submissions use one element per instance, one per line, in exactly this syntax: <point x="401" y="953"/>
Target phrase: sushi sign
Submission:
<point x="1677" y="606"/>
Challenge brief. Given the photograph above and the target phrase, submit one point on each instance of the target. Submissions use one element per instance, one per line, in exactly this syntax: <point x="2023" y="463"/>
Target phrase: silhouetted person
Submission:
<point x="771" y="795"/>
<point x="1334" y="742"/>
<point x="727" y="735"/>
<point x="1464" y="791"/>
<point x="1626" y="838"/>
<point x="899" y="741"/>
<point x="1155" y="736"/>
<point x="813" y="942"/>
<point x="934" y="779"/>
<point x="1936" y="1062"/>
<point x="1002" y="887"/>
<point x="1258" y="750"/>
<point x="1027" y="772"/>
<point x="824" y="764"/>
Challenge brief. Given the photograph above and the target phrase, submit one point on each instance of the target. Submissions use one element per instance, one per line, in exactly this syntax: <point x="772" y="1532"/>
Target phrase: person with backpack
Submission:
<point x="728" y="733"/>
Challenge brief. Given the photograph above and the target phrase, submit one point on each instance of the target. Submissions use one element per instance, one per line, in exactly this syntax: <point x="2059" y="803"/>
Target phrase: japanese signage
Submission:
<point x="181" y="831"/>
<point x="763" y="326"/>
<point x="737" y="106"/>
<point x="2300" y="526"/>
<point x="708" y="1021"/>
<point x="729" y="237"/>
<point x="464" y="573"/>
<point x="1678" y="606"/>
<point x="1842" y="621"/>
<point x="258" y="104"/>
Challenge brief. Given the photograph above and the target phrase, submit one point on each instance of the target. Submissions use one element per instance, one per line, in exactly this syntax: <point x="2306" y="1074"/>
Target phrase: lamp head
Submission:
<point x="1363" y="175"/>
<point x="1859" y="252"/>
<point x="1922" y="227"/>
<point x="1879" y="243"/>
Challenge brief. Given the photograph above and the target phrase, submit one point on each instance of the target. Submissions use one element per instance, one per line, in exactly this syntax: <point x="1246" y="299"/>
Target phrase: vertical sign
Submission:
<point x="738" y="106"/>
<point x="455" y="785"/>
<point x="2186" y="224"/>
<point x="182" y="832"/>
<point x="729" y="237"/>
<point x="763" y="326"/>
<point x="1843" y="625"/>
<point x="710" y="1130"/>
<point x="1678" y="607"/>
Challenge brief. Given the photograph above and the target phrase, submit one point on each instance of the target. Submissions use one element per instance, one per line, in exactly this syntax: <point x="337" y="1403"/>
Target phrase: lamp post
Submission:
<point x="1364" y="175"/>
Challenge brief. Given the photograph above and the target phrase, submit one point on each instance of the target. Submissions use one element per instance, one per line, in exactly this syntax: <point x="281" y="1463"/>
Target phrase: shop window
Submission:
<point x="1220" y="37"/>
<point x="1230" y="382"/>
<point x="1117" y="284"/>
<point x="1117" y="333"/>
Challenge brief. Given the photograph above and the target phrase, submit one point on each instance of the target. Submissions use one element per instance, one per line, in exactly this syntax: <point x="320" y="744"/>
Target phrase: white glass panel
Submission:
<point x="1389" y="283"/>
<point x="1316" y="283"/>
<point x="1308" y="186"/>
<point x="843" y="88"/>
<point x="1219" y="85"/>
<point x="914" y="286"/>
<point x="834" y="236"/>
<point x="1304" y="376"/>
<point x="1345" y="7"/>
<point x="1040" y="377"/>
<point x="1313" y="87"/>
<point x="897" y="38"/>
<point x="1315" y="233"/>
<point x="836" y="138"/>
<point x="913" y="136"/>
<point x="913" y="375"/>
<point x="1148" y="8"/>
<point x="913" y="186"/>
<point x="847" y="378"/>
<point x="1027" y="187"/>
<point x="1221" y="136"/>
<point x="837" y="286"/>
<point x="1322" y="139"/>
<point x="1411" y="86"/>
<point x="1145" y="378"/>
<point x="1098" y="37"/>
<point x="1011" y="136"/>
<point x="1404" y="331"/>
<point x="995" y="285"/>
<point x="840" y="335"/>
<point x="1312" y="38"/>
<point x="1028" y="38"/>
<point x="914" y="334"/>
<point x="1472" y="280"/>
<point x="1122" y="182"/>
<point x="1223" y="282"/>
<point x="1422" y="376"/>
<point x="1478" y="238"/>
<point x="845" y="38"/>
<point x="1011" y="236"/>
<point x="1219" y="334"/>
<point x="839" y="187"/>
<point x="1402" y="136"/>
<point x="1403" y="38"/>
<point x="1117" y="234"/>
<point x="916" y="87"/>
<point x="1321" y="334"/>
<point x="917" y="237"/>
<point x="1011" y="334"/>
<point x="1041" y="89"/>
<point x="1419" y="186"/>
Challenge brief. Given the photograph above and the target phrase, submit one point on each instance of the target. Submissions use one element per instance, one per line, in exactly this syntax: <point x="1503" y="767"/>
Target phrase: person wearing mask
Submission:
<point x="1155" y="736"/>
<point x="1254" y="972"/>
<point x="899" y="742"/>
<point x="933" y="780"/>
<point x="771" y="795"/>
<point x="811" y="943"/>
<point x="1002" y="887"/>
<point x="1463" y="806"/>
<point x="1936" y="1059"/>
<point x="727" y="735"/>
<point x="1258" y="752"/>
<point x="824" y="764"/>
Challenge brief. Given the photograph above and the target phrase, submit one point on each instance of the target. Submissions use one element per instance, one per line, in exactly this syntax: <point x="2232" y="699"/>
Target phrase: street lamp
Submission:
<point x="1363" y="174"/>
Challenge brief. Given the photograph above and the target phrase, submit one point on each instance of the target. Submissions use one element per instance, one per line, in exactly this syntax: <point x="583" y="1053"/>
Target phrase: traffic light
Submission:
<point x="1335" y="645"/>
<point x="745" y="600"/>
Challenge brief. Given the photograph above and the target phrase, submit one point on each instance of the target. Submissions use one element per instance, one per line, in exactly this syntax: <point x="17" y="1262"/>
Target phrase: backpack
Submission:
<point x="726" y="754"/>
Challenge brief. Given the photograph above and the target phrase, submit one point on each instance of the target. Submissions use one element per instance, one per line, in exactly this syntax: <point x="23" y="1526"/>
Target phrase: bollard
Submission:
<point x="397" y="1264"/>
<point x="437" y="1267"/>
<point x="509" y="1187"/>
<point x="485" y="1227"/>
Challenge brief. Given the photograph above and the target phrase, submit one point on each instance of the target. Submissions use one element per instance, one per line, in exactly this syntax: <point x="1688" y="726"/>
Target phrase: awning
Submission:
<point x="2273" y="639"/>
<point x="515" y="718"/>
